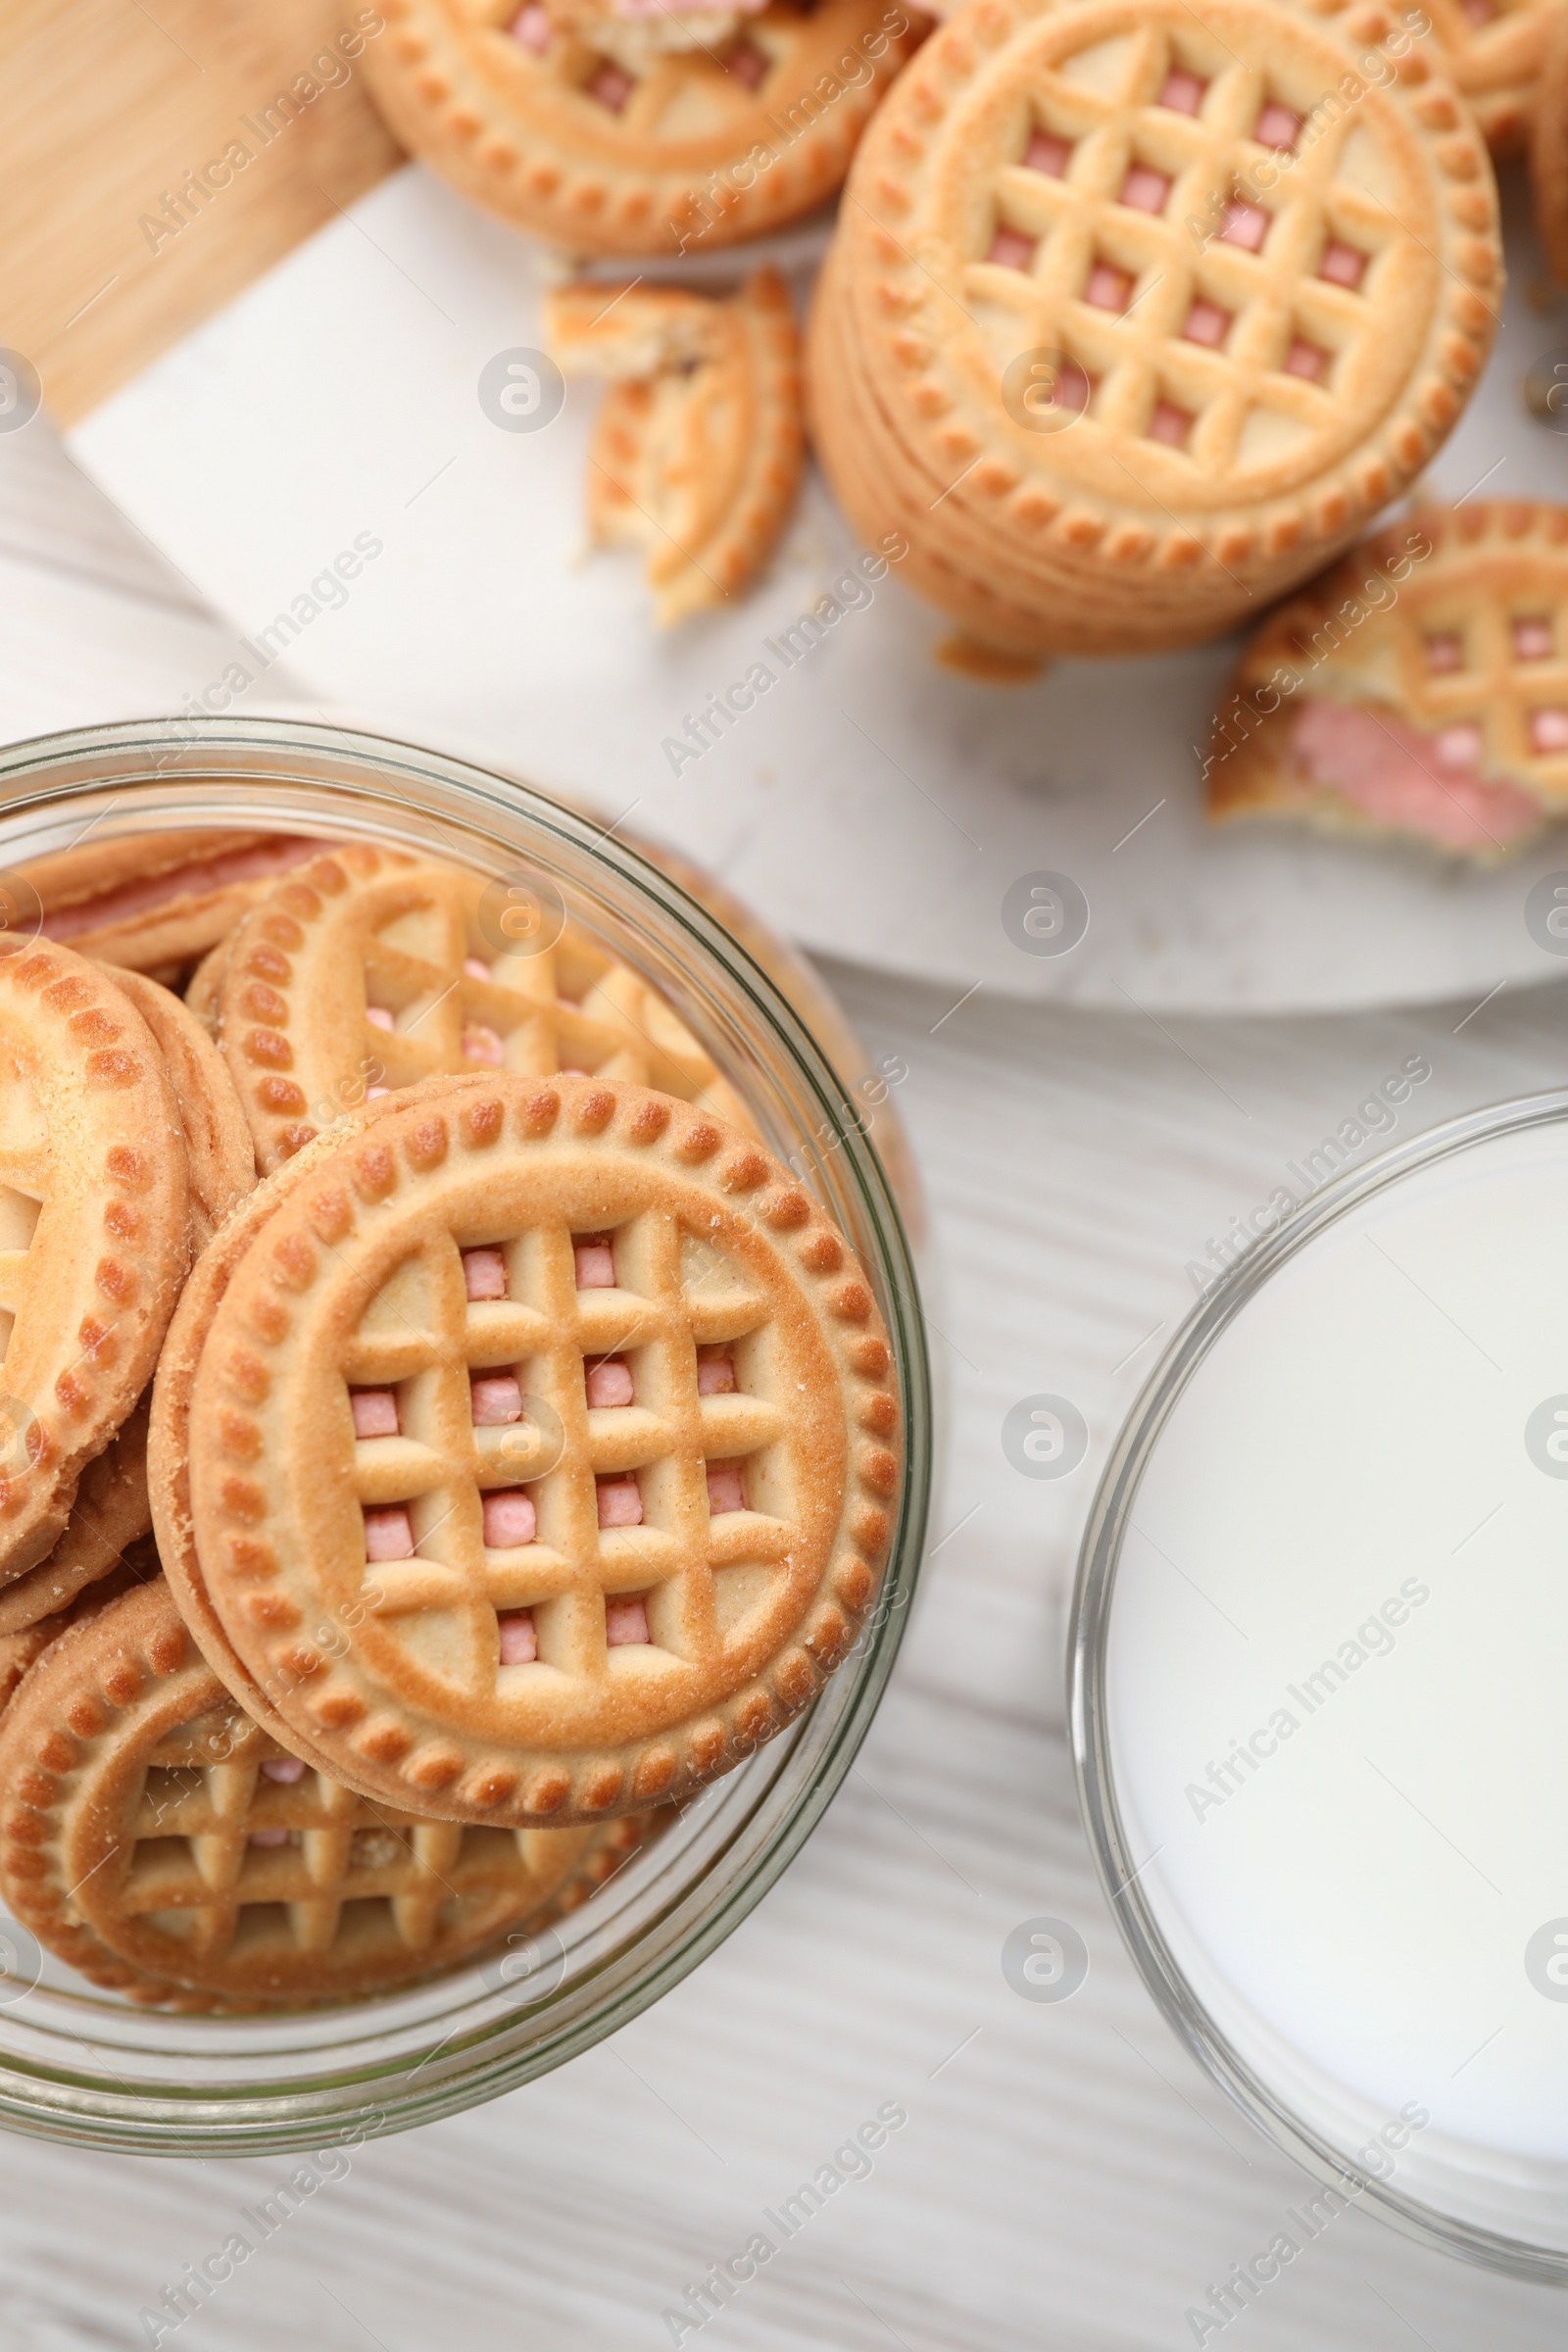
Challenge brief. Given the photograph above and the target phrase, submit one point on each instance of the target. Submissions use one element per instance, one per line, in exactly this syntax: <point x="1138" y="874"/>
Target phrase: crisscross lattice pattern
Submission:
<point x="187" y="1858"/>
<point x="1259" y="287"/>
<point x="578" y="1422"/>
<point x="700" y="1572"/>
<point x="371" y="969"/>
<point x="229" y="1861"/>
<point x="542" y="124"/>
<point x="1234" y="327"/>
<point x="1472" y="648"/>
<point x="706" y="90"/>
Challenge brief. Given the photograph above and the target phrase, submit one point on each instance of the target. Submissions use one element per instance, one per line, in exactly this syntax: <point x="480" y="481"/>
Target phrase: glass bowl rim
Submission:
<point x="77" y="2105"/>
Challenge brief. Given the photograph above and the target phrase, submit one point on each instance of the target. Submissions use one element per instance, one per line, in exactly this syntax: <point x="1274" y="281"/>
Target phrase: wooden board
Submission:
<point x="106" y="109"/>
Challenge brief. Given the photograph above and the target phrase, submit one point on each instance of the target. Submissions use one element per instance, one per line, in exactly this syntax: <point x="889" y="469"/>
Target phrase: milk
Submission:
<point x="1338" y="1678"/>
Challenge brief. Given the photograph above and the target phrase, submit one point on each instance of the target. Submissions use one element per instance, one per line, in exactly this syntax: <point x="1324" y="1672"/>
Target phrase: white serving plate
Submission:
<point x="873" y="804"/>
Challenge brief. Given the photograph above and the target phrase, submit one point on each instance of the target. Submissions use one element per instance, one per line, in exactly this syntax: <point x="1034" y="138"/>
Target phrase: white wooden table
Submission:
<point x="1065" y="2178"/>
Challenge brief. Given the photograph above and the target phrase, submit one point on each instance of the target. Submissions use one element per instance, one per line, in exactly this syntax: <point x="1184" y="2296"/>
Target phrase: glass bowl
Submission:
<point x="83" y="2066"/>
<point x="1318" y="1641"/>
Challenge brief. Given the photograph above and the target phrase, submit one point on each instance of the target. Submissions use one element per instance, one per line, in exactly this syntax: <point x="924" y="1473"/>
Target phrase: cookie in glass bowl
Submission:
<point x="525" y="1449"/>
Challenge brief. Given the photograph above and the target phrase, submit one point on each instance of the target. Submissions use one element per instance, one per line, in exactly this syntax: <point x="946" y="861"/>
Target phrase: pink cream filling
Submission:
<point x="484" y="1274"/>
<point x="1401" y="776"/>
<point x="518" y="1638"/>
<point x="494" y="1399"/>
<point x="533" y="29"/>
<point x="182" y="881"/>
<point x="626" y="1619"/>
<point x="609" y="1384"/>
<point x="510" y="1519"/>
<point x="620" y="1502"/>
<point x="375" y="1414"/>
<point x="595" y="1265"/>
<point x="388" y="1533"/>
<point x="483" y="1045"/>
<point x="726" y="1488"/>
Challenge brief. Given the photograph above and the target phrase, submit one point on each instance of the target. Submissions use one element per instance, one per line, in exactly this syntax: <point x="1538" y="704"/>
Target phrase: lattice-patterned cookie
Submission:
<point x="160" y="1841"/>
<point x="95" y="1229"/>
<point x="110" y="1514"/>
<point x="169" y="1436"/>
<point x="639" y="36"/>
<point x="1419" y="688"/>
<point x="1127" y="327"/>
<point x="218" y="1151"/>
<point x="542" y="1450"/>
<point x="697" y="448"/>
<point x="371" y="969"/>
<point x="1495" y="51"/>
<point x="712" y="144"/>
<point x="152" y="901"/>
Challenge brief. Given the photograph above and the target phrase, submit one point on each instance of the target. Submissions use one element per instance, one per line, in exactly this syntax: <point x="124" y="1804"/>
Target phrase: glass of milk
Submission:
<point x="1320" y="1689"/>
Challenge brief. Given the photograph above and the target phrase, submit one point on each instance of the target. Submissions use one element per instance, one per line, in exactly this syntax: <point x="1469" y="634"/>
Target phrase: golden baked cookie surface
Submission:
<point x="167" y="1847"/>
<point x="94" y="1228"/>
<point x="632" y="1414"/>
<point x="1123" y="297"/>
<point x="374" y="969"/>
<point x="709" y="145"/>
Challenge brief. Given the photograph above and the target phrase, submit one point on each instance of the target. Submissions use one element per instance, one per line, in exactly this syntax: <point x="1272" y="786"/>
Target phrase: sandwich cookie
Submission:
<point x="541" y="1451"/>
<point x="94" y="1228"/>
<point x="370" y="970"/>
<point x="1419" y="689"/>
<point x="630" y="130"/>
<point x="165" y="1847"/>
<point x="1125" y="329"/>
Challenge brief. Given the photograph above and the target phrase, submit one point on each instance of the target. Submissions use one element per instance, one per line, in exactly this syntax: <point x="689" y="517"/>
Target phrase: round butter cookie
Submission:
<point x="1495" y="51"/>
<point x="542" y="1450"/>
<point x="375" y="969"/>
<point x="95" y="1229"/>
<point x="152" y="900"/>
<point x="110" y="1513"/>
<point x="164" y="1845"/>
<point x="580" y="125"/>
<point x="1419" y="689"/>
<point x="1127" y="327"/>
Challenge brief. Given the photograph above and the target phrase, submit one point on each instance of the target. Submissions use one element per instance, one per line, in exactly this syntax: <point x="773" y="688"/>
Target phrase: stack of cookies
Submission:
<point x="1132" y="321"/>
<point x="440" y="1435"/>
